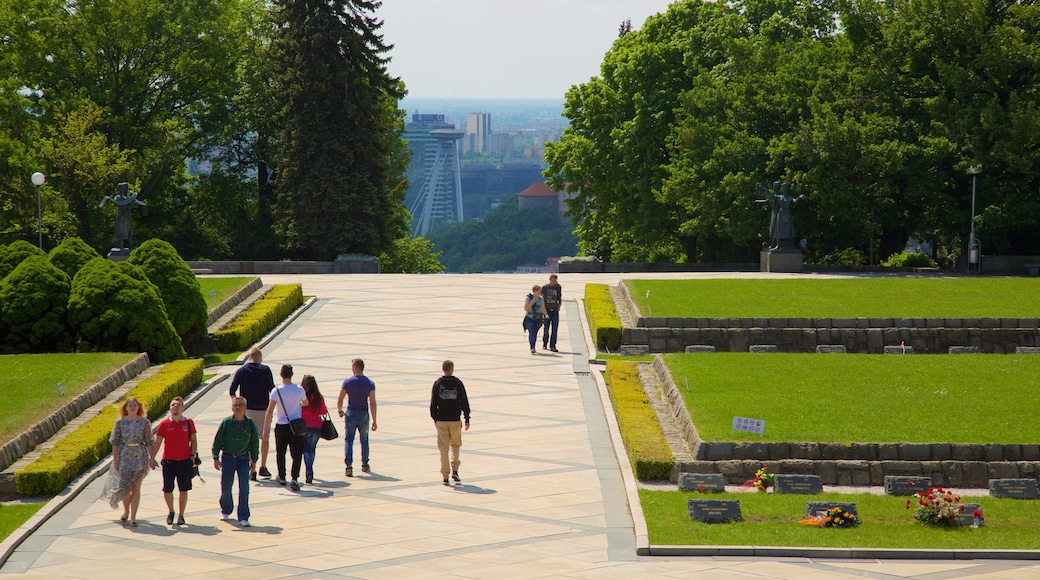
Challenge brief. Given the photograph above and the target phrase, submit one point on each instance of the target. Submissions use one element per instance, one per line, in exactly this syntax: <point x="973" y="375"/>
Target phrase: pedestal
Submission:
<point x="780" y="261"/>
<point x="118" y="254"/>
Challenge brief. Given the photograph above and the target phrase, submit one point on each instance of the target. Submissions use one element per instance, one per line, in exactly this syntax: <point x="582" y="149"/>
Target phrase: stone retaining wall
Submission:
<point x="235" y="299"/>
<point x="287" y="267"/>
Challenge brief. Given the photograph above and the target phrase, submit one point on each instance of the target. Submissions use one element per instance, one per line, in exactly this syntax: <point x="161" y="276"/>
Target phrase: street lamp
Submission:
<point x="974" y="248"/>
<point x="38" y="179"/>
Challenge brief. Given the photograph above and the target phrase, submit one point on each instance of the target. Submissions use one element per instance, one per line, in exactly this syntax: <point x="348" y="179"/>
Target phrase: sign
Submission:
<point x="749" y="425"/>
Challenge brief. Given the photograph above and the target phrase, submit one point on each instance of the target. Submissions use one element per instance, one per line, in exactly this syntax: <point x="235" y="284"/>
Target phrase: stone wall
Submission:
<point x="286" y="267"/>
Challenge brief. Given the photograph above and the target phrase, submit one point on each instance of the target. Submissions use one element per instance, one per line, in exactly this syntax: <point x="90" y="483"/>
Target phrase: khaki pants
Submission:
<point x="449" y="433"/>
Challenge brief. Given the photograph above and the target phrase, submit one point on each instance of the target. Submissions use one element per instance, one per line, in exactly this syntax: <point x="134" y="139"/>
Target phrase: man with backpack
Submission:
<point x="447" y="403"/>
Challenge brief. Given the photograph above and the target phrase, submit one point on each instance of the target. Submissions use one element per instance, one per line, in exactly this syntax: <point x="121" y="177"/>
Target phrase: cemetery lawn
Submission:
<point x="838" y="298"/>
<point x="846" y="398"/>
<point x="13" y="515"/>
<point x="772" y="520"/>
<point x="222" y="288"/>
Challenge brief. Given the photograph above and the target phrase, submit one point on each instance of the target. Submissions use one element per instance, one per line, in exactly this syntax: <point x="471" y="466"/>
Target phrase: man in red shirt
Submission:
<point x="178" y="433"/>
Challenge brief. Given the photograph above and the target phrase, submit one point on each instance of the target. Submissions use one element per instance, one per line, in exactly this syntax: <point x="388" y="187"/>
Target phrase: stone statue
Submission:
<point x="125" y="202"/>
<point x="781" y="226"/>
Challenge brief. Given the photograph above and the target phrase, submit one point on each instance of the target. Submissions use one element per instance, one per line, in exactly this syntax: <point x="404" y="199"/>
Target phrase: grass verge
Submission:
<point x="13" y="515"/>
<point x="217" y="290"/>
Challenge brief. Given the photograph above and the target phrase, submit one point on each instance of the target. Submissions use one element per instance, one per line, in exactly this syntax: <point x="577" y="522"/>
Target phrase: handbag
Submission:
<point x="328" y="428"/>
<point x="298" y="426"/>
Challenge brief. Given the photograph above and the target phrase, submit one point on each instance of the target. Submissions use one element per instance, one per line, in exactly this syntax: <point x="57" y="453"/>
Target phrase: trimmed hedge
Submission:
<point x="604" y="322"/>
<point x="647" y="448"/>
<point x="260" y="318"/>
<point x="88" y="444"/>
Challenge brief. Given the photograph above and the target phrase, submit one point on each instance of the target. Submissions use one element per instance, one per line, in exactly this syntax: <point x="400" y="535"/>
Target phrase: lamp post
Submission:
<point x="38" y="179"/>
<point x="974" y="248"/>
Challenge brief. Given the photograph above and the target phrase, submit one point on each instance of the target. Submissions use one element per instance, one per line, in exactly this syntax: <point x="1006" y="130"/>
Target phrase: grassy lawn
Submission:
<point x="217" y="290"/>
<point x="29" y="384"/>
<point x="839" y="298"/>
<point x="12" y="516"/>
<point x="844" y="398"/>
<point x="772" y="520"/>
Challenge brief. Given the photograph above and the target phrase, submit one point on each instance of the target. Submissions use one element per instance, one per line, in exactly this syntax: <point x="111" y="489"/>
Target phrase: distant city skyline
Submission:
<point x="476" y="49"/>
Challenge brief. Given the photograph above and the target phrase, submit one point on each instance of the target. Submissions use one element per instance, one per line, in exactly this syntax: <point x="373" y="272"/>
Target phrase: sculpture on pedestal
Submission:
<point x="125" y="201"/>
<point x="781" y="225"/>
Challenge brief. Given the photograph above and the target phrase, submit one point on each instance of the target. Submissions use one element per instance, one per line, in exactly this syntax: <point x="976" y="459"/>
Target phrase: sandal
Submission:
<point x="123" y="518"/>
<point x="133" y="523"/>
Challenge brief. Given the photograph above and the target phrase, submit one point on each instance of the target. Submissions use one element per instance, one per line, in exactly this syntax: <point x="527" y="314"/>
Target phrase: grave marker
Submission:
<point x="711" y="482"/>
<point x="715" y="511"/>
<point x="797" y="484"/>
<point x="906" y="484"/>
<point x="1014" y="488"/>
<point x="813" y="508"/>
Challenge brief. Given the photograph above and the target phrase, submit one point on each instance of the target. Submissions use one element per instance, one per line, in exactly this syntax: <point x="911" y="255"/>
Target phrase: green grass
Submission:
<point x="839" y="298"/>
<point x="844" y="398"/>
<point x="12" y="516"/>
<point x="217" y="290"/>
<point x="29" y="384"/>
<point x="220" y="357"/>
<point x="772" y="520"/>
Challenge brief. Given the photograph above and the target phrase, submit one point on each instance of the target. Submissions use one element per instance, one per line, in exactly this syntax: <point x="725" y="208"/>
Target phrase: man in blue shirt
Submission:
<point x="360" y="393"/>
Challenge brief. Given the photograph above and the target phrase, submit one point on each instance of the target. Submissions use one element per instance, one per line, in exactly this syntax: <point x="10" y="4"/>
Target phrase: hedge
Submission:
<point x="648" y="450"/>
<point x="604" y="322"/>
<point x="88" y="444"/>
<point x="260" y="318"/>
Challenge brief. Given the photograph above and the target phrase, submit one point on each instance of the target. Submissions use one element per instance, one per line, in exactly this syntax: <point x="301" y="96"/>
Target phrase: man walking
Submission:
<point x="254" y="381"/>
<point x="176" y="434"/>
<point x="552" y="293"/>
<point x="289" y="399"/>
<point x="239" y="440"/>
<point x="447" y="402"/>
<point x="360" y="393"/>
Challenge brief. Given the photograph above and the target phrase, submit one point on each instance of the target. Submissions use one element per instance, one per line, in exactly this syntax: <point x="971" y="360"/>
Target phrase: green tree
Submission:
<point x="33" y="299"/>
<point x="341" y="158"/>
<point x="410" y="256"/>
<point x="14" y="253"/>
<point x="71" y="255"/>
<point x="177" y="285"/>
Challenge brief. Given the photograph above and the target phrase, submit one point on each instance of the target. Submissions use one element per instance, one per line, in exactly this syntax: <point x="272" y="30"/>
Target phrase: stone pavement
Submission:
<point x="543" y="492"/>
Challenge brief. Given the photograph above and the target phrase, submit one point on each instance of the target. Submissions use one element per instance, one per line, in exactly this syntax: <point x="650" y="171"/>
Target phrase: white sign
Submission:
<point x="749" y="425"/>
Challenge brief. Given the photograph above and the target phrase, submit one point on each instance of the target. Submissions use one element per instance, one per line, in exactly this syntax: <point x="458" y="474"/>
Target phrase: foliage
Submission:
<point x="14" y="253"/>
<point x="604" y="322"/>
<point x="177" y="285"/>
<point x="114" y="307"/>
<point x="71" y="255"/>
<point x="647" y="448"/>
<point x="410" y="256"/>
<point x="340" y="157"/>
<point x="936" y="507"/>
<point x="909" y="260"/>
<point x="846" y="257"/>
<point x="257" y="320"/>
<point x="33" y="299"/>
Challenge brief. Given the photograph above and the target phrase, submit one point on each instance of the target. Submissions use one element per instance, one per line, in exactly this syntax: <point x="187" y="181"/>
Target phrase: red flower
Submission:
<point x="961" y="508"/>
<point x="977" y="513"/>
<point x="701" y="489"/>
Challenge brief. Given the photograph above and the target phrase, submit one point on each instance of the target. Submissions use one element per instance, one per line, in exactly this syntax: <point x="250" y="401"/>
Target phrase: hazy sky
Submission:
<point x="503" y="48"/>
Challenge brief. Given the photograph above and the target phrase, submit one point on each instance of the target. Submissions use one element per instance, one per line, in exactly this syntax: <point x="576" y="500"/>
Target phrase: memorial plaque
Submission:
<point x="964" y="350"/>
<point x="797" y="484"/>
<point x="813" y="508"/>
<point x="964" y="518"/>
<point x="699" y="348"/>
<point x="906" y="484"/>
<point x="1014" y="488"/>
<point x="635" y="349"/>
<point x="831" y="349"/>
<point x="762" y="348"/>
<point x="706" y="482"/>
<point x="715" y="511"/>
<point x="899" y="350"/>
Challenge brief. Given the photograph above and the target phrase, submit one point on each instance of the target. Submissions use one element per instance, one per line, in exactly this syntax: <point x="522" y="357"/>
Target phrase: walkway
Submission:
<point x="542" y="492"/>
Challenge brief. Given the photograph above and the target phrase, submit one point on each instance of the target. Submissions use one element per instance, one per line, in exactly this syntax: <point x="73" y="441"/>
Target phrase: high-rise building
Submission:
<point x="478" y="131"/>
<point x="435" y="190"/>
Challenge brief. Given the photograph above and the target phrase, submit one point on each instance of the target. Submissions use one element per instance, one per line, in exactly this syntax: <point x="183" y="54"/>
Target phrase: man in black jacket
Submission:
<point x="447" y="402"/>
<point x="553" y="296"/>
<point x="254" y="381"/>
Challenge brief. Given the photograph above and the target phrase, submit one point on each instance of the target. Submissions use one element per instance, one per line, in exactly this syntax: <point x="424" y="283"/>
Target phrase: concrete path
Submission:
<point x="543" y="493"/>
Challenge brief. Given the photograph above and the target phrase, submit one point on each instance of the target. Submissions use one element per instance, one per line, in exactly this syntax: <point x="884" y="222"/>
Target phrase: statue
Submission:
<point x="125" y="203"/>
<point x="781" y="226"/>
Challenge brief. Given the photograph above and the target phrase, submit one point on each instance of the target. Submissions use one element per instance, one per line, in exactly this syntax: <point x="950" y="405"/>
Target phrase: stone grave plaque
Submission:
<point x="1014" y="488"/>
<point x="797" y="484"/>
<point x="813" y="508"/>
<point x="715" y="511"/>
<point x="906" y="484"/>
<point x="964" y="518"/>
<point x="831" y="349"/>
<point x="964" y="350"/>
<point x="1027" y="350"/>
<point x="700" y="348"/>
<point x="711" y="482"/>
<point x="762" y="348"/>
<point x="899" y="350"/>
<point x="635" y="349"/>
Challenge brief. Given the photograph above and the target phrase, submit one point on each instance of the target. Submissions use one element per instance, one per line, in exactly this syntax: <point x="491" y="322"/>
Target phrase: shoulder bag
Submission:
<point x="298" y="426"/>
<point x="328" y="428"/>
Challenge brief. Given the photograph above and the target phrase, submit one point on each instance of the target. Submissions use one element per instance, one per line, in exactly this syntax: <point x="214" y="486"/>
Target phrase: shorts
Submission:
<point x="258" y="418"/>
<point x="180" y="469"/>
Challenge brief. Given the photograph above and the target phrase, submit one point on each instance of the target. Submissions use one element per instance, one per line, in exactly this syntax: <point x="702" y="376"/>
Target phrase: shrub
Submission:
<point x="846" y="257"/>
<point x="71" y="255"/>
<point x="33" y="299"/>
<point x="604" y="322"/>
<point x="909" y="260"/>
<point x="641" y="432"/>
<point x="88" y="444"/>
<point x="114" y="307"/>
<point x="178" y="287"/>
<point x="257" y="320"/>
<point x="13" y="255"/>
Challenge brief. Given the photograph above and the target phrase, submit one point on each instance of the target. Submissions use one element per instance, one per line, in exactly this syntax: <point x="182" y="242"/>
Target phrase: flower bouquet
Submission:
<point x="833" y="518"/>
<point x="937" y="507"/>
<point x="763" y="479"/>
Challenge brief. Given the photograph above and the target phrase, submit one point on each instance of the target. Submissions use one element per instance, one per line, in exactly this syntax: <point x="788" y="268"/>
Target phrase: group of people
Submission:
<point x="242" y="441"/>
<point x="542" y="310"/>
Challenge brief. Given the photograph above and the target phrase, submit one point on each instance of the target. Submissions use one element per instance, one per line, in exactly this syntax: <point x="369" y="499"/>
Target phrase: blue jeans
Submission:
<point x="310" y="445"/>
<point x="359" y="421"/>
<point x="554" y="322"/>
<point x="532" y="330"/>
<point x="229" y="467"/>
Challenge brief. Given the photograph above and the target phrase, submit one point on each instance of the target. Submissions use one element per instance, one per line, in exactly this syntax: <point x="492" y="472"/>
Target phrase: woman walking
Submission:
<point x="313" y="412"/>
<point x="131" y="440"/>
<point x="534" y="311"/>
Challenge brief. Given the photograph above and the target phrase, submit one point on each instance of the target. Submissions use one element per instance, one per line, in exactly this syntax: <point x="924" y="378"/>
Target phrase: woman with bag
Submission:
<point x="131" y="440"/>
<point x="290" y="428"/>
<point x="534" y="311"/>
<point x="313" y="413"/>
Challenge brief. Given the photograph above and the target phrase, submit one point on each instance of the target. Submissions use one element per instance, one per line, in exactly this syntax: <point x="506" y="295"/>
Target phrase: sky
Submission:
<point x="463" y="49"/>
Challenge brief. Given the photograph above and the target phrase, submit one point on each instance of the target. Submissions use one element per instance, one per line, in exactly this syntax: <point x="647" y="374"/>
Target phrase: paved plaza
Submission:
<point x="543" y="493"/>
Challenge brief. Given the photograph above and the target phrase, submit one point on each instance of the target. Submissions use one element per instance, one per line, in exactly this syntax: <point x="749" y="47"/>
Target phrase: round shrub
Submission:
<point x="178" y="287"/>
<point x="846" y="257"/>
<point x="909" y="260"/>
<point x="33" y="299"/>
<point x="113" y="307"/>
<point x="70" y="255"/>
<point x="17" y="251"/>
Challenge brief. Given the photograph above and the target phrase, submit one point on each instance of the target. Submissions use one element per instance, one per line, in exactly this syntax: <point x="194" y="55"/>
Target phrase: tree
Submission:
<point x="410" y="255"/>
<point x="177" y="285"/>
<point x="341" y="158"/>
<point x="33" y="299"/>
<point x="71" y="255"/>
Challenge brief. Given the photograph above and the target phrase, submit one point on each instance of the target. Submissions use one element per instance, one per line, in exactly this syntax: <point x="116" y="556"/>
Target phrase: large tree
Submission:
<point x="341" y="160"/>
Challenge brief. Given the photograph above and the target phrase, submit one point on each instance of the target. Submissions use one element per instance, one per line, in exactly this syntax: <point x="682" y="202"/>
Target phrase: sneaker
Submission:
<point x="252" y="476"/>
<point x="169" y="518"/>
<point x="281" y="480"/>
<point x="554" y="349"/>
<point x="294" y="486"/>
<point x="455" y="476"/>
<point x="180" y="520"/>
<point x="446" y="482"/>
<point x="545" y="347"/>
<point x="350" y="471"/>
<point x="532" y="351"/>
<point x="244" y="523"/>
<point x="310" y="478"/>
<point x="365" y="468"/>
<point x="225" y="517"/>
<point x="264" y="472"/>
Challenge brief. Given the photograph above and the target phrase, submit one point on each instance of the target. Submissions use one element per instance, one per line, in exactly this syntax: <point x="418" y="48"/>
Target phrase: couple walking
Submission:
<point x="542" y="308"/>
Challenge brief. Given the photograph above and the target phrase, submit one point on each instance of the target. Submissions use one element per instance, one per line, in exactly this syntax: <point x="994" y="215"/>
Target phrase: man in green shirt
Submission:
<point x="239" y="440"/>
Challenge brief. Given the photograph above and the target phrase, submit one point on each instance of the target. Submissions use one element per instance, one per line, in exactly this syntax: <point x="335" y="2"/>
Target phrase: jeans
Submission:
<point x="284" y="439"/>
<point x="310" y="445"/>
<point x="532" y="330"/>
<point x="359" y="421"/>
<point x="231" y="466"/>
<point x="554" y="322"/>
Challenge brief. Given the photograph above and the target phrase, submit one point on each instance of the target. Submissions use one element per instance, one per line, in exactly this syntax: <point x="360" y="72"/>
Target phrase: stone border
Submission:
<point x="234" y="300"/>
